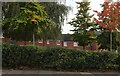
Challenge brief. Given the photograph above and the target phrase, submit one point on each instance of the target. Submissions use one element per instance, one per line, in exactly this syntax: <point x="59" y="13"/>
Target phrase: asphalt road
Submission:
<point x="55" y="73"/>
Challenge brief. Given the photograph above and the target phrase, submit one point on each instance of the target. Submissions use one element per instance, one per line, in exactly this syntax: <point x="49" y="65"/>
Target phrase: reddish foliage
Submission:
<point x="109" y="17"/>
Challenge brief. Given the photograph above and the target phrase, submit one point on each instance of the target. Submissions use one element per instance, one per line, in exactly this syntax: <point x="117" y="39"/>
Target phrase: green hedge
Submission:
<point x="118" y="61"/>
<point x="58" y="58"/>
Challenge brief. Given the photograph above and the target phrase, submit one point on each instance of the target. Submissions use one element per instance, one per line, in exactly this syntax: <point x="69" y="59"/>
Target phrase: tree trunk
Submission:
<point x="33" y="39"/>
<point x="25" y="42"/>
<point x="90" y="47"/>
<point x="43" y="41"/>
<point x="110" y="41"/>
<point x="83" y="47"/>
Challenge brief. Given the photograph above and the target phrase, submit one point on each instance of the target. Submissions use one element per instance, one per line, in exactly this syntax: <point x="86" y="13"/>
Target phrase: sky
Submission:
<point x="94" y="5"/>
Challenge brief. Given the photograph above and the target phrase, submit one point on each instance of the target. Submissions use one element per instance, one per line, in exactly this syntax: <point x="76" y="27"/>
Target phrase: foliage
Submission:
<point x="118" y="38"/>
<point x="10" y="9"/>
<point x="31" y="19"/>
<point x="57" y="12"/>
<point x="109" y="19"/>
<point x="56" y="58"/>
<point x="82" y="23"/>
<point x="15" y="55"/>
<point x="40" y="20"/>
<point x="105" y="44"/>
<point x="118" y="61"/>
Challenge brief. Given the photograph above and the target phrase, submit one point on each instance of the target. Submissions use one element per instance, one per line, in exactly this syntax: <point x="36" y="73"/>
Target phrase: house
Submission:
<point x="66" y="41"/>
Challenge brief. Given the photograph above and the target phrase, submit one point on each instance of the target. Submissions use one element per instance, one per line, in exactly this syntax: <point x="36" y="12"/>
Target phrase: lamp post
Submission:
<point x="33" y="22"/>
<point x="111" y="41"/>
<point x="33" y="39"/>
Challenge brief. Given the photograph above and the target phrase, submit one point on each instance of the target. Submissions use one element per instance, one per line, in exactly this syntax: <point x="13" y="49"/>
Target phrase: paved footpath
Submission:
<point x="55" y="73"/>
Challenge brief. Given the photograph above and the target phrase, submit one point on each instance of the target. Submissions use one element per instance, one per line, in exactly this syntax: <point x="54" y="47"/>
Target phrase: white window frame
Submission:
<point x="58" y="42"/>
<point x="75" y="43"/>
<point x="40" y="41"/>
<point x="65" y="43"/>
<point x="48" y="42"/>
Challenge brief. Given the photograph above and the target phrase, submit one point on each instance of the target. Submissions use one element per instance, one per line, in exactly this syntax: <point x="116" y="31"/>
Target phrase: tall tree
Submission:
<point x="52" y="32"/>
<point x="82" y="23"/>
<point x="109" y="18"/>
<point x="10" y="9"/>
<point x="31" y="19"/>
<point x="57" y="12"/>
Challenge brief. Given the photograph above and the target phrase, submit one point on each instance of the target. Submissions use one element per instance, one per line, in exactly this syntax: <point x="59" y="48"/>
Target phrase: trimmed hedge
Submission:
<point x="58" y="58"/>
<point x="118" y="61"/>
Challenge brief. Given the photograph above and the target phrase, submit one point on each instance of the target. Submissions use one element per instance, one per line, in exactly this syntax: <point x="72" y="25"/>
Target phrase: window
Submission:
<point x="58" y="42"/>
<point x="65" y="43"/>
<point x="75" y="44"/>
<point x="48" y="42"/>
<point x="40" y="41"/>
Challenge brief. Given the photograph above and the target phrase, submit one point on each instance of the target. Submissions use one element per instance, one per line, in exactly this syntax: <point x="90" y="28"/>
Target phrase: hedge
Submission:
<point x="58" y="58"/>
<point x="118" y="61"/>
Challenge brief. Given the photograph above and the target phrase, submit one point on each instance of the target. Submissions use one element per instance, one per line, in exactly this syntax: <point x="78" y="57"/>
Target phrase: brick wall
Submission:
<point x="69" y="44"/>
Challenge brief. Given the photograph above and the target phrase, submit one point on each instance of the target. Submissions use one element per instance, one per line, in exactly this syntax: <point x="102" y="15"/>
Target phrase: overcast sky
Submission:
<point x="95" y="5"/>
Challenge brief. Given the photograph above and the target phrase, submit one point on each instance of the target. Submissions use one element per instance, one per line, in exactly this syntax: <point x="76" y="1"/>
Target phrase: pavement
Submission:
<point x="55" y="73"/>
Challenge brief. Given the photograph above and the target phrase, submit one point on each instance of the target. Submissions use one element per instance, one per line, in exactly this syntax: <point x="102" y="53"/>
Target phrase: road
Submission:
<point x="55" y="73"/>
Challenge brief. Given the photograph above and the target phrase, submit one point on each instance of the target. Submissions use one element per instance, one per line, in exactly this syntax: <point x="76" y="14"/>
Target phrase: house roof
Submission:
<point x="67" y="37"/>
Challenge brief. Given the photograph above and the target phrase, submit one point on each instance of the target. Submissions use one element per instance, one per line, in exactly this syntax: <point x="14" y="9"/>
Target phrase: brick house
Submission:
<point x="66" y="41"/>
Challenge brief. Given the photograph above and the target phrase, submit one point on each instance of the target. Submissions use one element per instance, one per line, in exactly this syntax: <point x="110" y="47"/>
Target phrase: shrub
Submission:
<point x="118" y="61"/>
<point x="58" y="58"/>
<point x="101" y="60"/>
<point x="14" y="56"/>
<point x="11" y="55"/>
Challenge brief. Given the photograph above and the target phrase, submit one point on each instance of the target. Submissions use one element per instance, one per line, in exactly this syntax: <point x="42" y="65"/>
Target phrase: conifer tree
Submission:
<point x="82" y="23"/>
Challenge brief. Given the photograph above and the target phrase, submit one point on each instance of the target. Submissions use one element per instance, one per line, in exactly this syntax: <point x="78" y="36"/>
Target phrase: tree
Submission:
<point x="53" y="31"/>
<point x="30" y="20"/>
<point x="10" y="9"/>
<point x="57" y="12"/>
<point x="82" y="23"/>
<point x="109" y="18"/>
<point x="104" y="41"/>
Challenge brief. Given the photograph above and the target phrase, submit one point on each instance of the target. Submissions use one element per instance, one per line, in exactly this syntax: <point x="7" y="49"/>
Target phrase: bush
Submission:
<point x="10" y="55"/>
<point x="57" y="58"/>
<point x="118" y="61"/>
<point x="14" y="56"/>
<point x="101" y="60"/>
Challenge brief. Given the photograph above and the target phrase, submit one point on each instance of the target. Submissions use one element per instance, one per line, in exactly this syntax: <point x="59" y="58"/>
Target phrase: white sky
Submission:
<point x="95" y="5"/>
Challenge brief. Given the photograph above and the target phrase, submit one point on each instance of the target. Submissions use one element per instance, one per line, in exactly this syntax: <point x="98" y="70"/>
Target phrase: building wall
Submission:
<point x="68" y="44"/>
